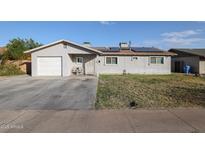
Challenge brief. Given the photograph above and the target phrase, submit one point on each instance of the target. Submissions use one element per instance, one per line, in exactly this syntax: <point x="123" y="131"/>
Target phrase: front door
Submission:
<point x="80" y="63"/>
<point x="90" y="66"/>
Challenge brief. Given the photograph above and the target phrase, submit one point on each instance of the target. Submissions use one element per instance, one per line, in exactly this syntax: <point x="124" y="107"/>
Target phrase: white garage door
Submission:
<point x="49" y="66"/>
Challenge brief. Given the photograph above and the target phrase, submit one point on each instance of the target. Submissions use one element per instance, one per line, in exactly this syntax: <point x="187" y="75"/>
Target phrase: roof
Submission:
<point x="63" y="42"/>
<point x="138" y="51"/>
<point x="196" y="51"/>
<point x="146" y="49"/>
<point x="2" y="50"/>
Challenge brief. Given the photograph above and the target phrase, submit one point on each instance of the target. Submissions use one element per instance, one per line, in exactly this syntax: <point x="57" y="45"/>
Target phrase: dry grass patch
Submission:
<point x="9" y="70"/>
<point x="150" y="91"/>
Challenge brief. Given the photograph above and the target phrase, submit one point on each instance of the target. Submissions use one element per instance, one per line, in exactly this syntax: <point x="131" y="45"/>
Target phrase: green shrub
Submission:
<point x="10" y="69"/>
<point x="16" y="47"/>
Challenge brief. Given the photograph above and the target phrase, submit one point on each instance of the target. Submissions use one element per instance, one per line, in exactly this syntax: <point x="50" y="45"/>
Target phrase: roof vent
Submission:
<point x="124" y="45"/>
<point x="87" y="44"/>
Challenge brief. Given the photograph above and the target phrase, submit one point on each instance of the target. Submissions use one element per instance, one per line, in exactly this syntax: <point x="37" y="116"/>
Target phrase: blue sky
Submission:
<point x="158" y="34"/>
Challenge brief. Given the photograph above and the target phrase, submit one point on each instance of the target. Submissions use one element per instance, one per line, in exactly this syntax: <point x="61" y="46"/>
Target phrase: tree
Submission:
<point x="16" y="47"/>
<point x="30" y="44"/>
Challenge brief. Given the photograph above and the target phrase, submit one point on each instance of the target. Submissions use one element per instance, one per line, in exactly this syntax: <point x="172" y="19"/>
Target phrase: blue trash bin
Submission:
<point x="187" y="69"/>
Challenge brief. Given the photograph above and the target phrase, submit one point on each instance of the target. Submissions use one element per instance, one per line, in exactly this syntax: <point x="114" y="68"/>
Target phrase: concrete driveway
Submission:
<point x="47" y="93"/>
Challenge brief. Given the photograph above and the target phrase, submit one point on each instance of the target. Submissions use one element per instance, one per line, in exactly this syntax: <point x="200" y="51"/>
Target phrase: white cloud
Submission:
<point x="106" y="22"/>
<point x="183" y="41"/>
<point x="181" y="34"/>
<point x="182" y="38"/>
<point x="187" y="38"/>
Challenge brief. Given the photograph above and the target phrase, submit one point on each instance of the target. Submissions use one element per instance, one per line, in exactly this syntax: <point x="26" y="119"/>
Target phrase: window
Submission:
<point x="79" y="59"/>
<point x="65" y="46"/>
<point x="157" y="60"/>
<point x="153" y="60"/>
<point x="108" y="60"/>
<point x="111" y="60"/>
<point x="134" y="58"/>
<point x="114" y="60"/>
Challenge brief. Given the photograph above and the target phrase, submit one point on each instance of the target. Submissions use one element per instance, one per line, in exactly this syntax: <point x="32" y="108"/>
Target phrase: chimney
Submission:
<point x="87" y="44"/>
<point x="130" y="43"/>
<point x="123" y="45"/>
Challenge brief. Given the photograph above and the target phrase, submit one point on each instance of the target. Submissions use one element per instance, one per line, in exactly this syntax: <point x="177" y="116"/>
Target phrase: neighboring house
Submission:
<point x="2" y="50"/>
<point x="64" y="58"/>
<point x="192" y="57"/>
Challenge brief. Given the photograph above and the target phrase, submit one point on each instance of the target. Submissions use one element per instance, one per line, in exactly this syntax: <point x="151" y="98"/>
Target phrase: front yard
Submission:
<point x="150" y="91"/>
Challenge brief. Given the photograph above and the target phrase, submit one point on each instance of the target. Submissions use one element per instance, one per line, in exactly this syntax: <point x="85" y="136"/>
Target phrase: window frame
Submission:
<point x="76" y="60"/>
<point x="156" y="62"/>
<point x="111" y="60"/>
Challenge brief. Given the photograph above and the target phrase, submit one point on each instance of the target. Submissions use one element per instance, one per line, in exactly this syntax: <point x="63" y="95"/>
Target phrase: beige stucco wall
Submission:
<point x="202" y="67"/>
<point x="53" y="51"/>
<point x="76" y="50"/>
<point x="140" y="66"/>
<point x="193" y="61"/>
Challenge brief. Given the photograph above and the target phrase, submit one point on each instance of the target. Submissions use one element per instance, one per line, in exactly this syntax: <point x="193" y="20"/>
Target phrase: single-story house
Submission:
<point x="192" y="57"/>
<point x="64" y="58"/>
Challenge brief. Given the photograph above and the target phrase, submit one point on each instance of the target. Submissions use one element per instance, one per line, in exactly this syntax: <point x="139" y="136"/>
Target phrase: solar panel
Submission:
<point x="135" y="49"/>
<point x="112" y="49"/>
<point x="145" y="49"/>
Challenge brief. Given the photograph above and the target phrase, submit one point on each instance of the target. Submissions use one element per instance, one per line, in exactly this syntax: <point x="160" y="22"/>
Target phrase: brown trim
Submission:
<point x="181" y="53"/>
<point x="139" y="54"/>
<point x="63" y="42"/>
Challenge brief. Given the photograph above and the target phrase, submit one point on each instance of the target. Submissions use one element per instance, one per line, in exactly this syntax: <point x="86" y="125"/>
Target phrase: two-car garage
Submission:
<point x="49" y="66"/>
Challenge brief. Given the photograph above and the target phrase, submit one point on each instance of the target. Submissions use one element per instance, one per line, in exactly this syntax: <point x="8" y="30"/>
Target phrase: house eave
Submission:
<point x="63" y="42"/>
<point x="140" y="54"/>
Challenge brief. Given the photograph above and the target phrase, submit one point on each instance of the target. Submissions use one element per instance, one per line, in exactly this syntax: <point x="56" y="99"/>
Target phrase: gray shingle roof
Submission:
<point x="197" y="51"/>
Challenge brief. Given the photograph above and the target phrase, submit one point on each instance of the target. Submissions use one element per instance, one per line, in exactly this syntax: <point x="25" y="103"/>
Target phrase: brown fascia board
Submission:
<point x="141" y="54"/>
<point x="63" y="42"/>
<point x="181" y="53"/>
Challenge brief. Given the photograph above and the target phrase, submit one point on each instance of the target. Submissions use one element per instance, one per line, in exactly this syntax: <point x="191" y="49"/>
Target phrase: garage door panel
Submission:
<point x="49" y="66"/>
